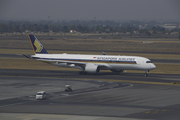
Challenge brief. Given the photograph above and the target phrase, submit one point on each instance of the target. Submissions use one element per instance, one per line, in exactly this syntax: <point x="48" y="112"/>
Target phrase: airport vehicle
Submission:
<point x="68" y="88"/>
<point x="40" y="95"/>
<point x="91" y="64"/>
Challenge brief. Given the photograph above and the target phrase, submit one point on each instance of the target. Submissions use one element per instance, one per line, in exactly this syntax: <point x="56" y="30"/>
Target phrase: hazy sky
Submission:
<point x="89" y="9"/>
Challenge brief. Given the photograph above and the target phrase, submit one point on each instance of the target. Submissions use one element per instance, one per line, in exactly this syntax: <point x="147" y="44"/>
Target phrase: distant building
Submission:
<point x="27" y="32"/>
<point x="136" y="32"/>
<point x="73" y="31"/>
<point x="128" y="33"/>
<point x="151" y="31"/>
<point x="170" y="26"/>
<point x="142" y="27"/>
<point x="50" y="31"/>
<point x="174" y="33"/>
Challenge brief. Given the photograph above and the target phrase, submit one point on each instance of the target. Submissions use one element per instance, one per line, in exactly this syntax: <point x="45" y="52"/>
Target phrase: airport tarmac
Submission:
<point x="108" y="96"/>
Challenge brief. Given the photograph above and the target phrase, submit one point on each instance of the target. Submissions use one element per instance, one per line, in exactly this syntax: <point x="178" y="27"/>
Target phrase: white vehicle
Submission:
<point x="40" y="95"/>
<point x="90" y="63"/>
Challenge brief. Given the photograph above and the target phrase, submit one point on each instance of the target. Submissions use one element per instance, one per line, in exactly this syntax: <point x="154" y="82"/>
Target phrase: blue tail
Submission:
<point x="36" y="45"/>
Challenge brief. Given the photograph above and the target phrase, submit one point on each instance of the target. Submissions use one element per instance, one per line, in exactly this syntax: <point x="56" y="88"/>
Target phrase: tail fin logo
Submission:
<point x="38" y="45"/>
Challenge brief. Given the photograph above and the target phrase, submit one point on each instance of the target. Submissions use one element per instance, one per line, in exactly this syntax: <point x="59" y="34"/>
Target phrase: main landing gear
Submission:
<point x="146" y="73"/>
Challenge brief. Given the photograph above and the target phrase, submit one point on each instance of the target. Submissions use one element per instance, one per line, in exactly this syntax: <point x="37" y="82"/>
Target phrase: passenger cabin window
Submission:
<point x="148" y="62"/>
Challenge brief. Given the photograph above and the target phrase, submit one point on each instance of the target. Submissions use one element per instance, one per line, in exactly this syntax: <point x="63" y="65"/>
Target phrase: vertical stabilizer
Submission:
<point x="36" y="45"/>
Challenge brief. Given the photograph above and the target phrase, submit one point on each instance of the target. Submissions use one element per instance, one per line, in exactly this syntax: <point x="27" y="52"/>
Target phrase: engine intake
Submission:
<point x="92" y="68"/>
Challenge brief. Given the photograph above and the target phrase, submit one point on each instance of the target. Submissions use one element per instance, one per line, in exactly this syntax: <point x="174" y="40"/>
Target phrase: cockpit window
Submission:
<point x="39" y="94"/>
<point x="148" y="62"/>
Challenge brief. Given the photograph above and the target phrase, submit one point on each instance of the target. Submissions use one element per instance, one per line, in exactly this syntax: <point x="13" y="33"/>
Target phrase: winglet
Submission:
<point x="103" y="53"/>
<point x="36" y="45"/>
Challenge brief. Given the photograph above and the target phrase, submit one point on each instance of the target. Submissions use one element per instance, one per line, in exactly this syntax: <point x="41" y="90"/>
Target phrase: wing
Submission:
<point x="73" y="64"/>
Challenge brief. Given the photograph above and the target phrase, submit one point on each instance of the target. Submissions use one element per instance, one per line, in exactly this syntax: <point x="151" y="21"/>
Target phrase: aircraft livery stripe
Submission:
<point x="87" y="60"/>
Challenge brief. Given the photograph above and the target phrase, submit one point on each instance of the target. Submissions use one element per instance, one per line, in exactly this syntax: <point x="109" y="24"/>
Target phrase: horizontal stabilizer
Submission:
<point x="27" y="56"/>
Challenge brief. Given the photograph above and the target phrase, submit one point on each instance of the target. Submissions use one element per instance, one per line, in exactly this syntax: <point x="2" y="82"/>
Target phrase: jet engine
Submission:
<point x="92" y="68"/>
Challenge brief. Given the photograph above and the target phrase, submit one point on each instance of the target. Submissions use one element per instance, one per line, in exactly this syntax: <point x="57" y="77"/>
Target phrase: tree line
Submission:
<point x="80" y="26"/>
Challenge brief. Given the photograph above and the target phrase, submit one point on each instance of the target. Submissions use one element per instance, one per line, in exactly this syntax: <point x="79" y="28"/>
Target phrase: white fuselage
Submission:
<point x="102" y="61"/>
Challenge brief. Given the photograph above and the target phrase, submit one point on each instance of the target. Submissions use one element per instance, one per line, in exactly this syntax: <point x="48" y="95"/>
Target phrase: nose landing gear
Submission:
<point x="146" y="73"/>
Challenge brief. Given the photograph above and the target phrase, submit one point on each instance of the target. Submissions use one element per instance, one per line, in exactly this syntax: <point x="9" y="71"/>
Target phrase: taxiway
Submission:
<point x="106" y="96"/>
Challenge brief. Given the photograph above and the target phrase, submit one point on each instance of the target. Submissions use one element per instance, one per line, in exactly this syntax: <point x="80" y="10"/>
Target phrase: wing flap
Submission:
<point x="73" y="64"/>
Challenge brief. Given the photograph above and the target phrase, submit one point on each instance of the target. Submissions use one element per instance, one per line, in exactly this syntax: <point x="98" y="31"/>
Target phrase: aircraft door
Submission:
<point x="138" y="61"/>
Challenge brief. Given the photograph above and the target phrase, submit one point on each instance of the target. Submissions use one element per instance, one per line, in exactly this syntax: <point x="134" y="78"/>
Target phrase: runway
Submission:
<point x="127" y="96"/>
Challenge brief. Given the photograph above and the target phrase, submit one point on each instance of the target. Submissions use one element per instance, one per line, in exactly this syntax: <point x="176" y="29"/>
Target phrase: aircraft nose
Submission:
<point x="153" y="66"/>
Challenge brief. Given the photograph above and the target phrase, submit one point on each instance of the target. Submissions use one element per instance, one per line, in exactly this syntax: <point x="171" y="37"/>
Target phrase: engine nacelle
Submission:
<point x="92" y="68"/>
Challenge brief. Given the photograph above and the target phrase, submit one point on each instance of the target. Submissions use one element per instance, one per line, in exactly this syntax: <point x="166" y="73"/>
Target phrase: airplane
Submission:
<point x="90" y="64"/>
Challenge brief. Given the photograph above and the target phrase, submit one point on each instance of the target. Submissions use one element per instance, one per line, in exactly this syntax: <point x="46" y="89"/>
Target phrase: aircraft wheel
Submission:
<point x="146" y="75"/>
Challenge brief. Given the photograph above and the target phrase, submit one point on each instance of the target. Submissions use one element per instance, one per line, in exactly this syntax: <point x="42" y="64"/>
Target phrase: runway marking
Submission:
<point x="112" y="80"/>
<point x="147" y="112"/>
<point x="127" y="81"/>
<point x="158" y="111"/>
<point x="81" y="107"/>
<point x="16" y="104"/>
